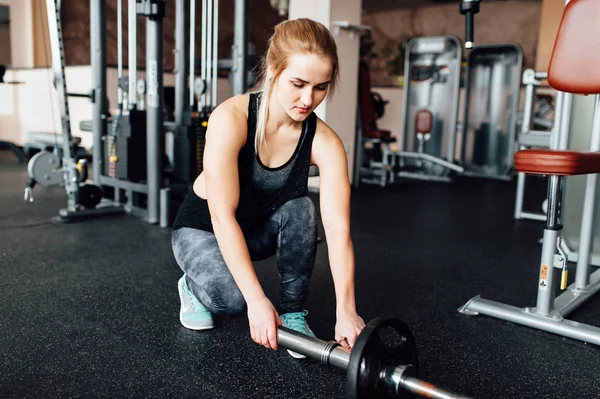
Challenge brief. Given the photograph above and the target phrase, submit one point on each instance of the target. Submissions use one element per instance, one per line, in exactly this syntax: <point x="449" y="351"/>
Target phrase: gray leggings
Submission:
<point x="290" y="233"/>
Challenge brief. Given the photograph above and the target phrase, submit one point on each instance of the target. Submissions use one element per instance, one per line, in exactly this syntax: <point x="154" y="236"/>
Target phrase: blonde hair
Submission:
<point x="297" y="36"/>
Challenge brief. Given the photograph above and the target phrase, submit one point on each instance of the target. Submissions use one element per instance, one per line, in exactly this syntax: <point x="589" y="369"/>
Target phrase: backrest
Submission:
<point x="575" y="62"/>
<point x="423" y="121"/>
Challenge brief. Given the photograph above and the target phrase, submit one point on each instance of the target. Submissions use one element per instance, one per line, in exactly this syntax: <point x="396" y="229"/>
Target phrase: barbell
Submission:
<point x="383" y="363"/>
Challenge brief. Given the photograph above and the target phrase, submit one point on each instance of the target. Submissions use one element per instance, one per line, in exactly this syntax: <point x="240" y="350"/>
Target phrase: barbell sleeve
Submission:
<point x="427" y="390"/>
<point x="326" y="352"/>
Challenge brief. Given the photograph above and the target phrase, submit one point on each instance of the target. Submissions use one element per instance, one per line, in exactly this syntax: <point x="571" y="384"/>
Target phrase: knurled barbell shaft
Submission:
<point x="313" y="348"/>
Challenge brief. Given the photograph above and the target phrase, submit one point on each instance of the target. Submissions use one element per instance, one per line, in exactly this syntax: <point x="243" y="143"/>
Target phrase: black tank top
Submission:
<point x="262" y="189"/>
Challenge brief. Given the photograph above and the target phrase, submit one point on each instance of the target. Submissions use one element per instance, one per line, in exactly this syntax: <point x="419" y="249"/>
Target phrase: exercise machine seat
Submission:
<point x="573" y="69"/>
<point x="378" y="134"/>
<point x="423" y="121"/>
<point x="575" y="57"/>
<point x="557" y="163"/>
<point x="367" y="112"/>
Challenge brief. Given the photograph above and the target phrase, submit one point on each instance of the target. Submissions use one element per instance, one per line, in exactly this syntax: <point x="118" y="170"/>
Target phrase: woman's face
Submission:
<point x="303" y="85"/>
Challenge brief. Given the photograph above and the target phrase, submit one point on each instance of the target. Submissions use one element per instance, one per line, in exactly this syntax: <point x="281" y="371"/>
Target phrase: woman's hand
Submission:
<point x="263" y="319"/>
<point x="347" y="328"/>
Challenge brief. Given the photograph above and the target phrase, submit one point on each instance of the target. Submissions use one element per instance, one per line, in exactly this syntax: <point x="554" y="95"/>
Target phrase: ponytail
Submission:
<point x="263" y="114"/>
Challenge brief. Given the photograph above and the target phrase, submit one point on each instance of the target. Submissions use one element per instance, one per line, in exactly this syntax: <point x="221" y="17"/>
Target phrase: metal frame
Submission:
<point x="550" y="312"/>
<point x="205" y="88"/>
<point x="529" y="138"/>
<point x="378" y="172"/>
<point x="184" y="98"/>
<point x="240" y="48"/>
<point x="66" y="169"/>
<point x="153" y="10"/>
<point x="58" y="66"/>
<point x="450" y="140"/>
<point x="390" y="169"/>
<point x="504" y="175"/>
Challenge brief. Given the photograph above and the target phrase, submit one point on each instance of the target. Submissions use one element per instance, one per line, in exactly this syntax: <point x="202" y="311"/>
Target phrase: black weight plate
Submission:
<point x="383" y="342"/>
<point x="89" y="195"/>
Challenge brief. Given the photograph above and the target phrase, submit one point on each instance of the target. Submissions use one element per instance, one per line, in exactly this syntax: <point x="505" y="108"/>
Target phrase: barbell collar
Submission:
<point x="327" y="353"/>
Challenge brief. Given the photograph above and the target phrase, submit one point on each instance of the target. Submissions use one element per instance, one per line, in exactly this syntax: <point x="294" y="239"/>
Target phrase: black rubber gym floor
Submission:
<point x="91" y="309"/>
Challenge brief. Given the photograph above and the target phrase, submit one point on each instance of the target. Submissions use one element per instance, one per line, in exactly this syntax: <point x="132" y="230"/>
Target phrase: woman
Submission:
<point x="251" y="201"/>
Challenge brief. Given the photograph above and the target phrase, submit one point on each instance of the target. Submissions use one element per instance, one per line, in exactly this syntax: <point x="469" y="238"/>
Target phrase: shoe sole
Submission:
<point x="183" y="323"/>
<point x="296" y="355"/>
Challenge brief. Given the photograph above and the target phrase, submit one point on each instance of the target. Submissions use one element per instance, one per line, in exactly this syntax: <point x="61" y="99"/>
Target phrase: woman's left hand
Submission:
<point x="347" y="328"/>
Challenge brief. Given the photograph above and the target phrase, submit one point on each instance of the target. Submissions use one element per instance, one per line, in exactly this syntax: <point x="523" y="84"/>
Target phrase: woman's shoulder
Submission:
<point x="229" y="120"/>
<point x="327" y="147"/>
<point x="324" y="132"/>
<point x="232" y="110"/>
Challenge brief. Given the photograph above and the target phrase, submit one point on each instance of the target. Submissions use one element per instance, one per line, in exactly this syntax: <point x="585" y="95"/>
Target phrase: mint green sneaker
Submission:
<point x="296" y="322"/>
<point x="193" y="314"/>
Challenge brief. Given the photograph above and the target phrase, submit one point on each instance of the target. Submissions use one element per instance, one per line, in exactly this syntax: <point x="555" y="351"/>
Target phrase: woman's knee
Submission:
<point x="222" y="299"/>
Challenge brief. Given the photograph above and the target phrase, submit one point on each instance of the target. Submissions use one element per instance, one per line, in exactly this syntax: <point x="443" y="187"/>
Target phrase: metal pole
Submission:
<point x="422" y="388"/>
<point x="555" y="138"/>
<point x="240" y="48"/>
<point x="528" y="107"/>
<point x="520" y="194"/>
<point x="565" y="128"/>
<point x="586" y="235"/>
<point x="177" y="154"/>
<point x="192" y="52"/>
<point x="215" y="59"/>
<point x="546" y="286"/>
<point x="119" y="50"/>
<point x="182" y="21"/>
<point x="165" y="199"/>
<point x="58" y="67"/>
<point x="209" y="56"/>
<point x="202" y="100"/>
<point x="154" y="116"/>
<point x="98" y="61"/>
<point x="132" y="51"/>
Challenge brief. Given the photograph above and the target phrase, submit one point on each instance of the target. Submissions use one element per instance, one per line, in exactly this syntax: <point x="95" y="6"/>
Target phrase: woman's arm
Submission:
<point x="329" y="155"/>
<point x="226" y="135"/>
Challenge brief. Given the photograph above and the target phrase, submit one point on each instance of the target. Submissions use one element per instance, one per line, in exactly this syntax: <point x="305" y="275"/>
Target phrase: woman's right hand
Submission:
<point x="263" y="319"/>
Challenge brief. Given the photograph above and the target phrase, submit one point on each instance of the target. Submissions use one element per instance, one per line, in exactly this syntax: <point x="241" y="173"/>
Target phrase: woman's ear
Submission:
<point x="270" y="74"/>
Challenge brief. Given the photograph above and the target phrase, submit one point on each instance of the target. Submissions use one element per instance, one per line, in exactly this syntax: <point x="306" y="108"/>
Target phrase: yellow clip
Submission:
<point x="113" y="158"/>
<point x="204" y="123"/>
<point x="563" y="280"/>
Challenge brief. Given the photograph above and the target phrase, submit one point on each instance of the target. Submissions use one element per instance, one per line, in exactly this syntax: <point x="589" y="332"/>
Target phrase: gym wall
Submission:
<point x="29" y="42"/>
<point x="551" y="14"/>
<point x="21" y="32"/>
<point x="76" y="30"/>
<point x="4" y="50"/>
<point x="515" y="21"/>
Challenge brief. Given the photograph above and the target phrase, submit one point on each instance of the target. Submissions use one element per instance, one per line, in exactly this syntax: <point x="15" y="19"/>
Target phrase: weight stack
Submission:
<point x="189" y="150"/>
<point x="130" y="146"/>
